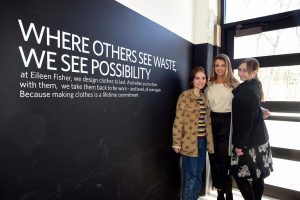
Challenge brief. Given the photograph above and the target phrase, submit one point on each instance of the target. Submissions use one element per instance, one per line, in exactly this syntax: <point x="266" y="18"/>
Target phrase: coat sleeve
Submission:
<point x="179" y="121"/>
<point x="210" y="140"/>
<point x="243" y="109"/>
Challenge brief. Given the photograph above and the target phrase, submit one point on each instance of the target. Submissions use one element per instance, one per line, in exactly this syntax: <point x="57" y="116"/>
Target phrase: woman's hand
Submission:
<point x="177" y="149"/>
<point x="239" y="152"/>
<point x="266" y="113"/>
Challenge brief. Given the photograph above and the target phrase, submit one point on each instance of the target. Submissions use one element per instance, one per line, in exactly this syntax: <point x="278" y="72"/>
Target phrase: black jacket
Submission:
<point x="249" y="128"/>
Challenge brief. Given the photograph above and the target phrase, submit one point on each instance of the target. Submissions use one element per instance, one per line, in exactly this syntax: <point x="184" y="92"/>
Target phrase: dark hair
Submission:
<point x="194" y="71"/>
<point x="252" y="65"/>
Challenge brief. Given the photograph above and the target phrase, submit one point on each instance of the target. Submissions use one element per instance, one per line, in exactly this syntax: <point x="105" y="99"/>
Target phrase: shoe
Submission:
<point x="220" y="195"/>
<point x="229" y="196"/>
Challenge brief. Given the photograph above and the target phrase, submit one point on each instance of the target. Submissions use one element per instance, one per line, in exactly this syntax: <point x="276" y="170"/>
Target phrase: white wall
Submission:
<point x="206" y="22"/>
<point x="193" y="20"/>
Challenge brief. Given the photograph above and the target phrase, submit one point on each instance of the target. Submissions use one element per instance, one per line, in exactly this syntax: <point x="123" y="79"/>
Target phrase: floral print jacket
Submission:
<point x="185" y="126"/>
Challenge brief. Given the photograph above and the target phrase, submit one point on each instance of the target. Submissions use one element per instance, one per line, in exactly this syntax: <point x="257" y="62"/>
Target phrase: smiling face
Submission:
<point x="244" y="73"/>
<point x="199" y="80"/>
<point x="220" y="67"/>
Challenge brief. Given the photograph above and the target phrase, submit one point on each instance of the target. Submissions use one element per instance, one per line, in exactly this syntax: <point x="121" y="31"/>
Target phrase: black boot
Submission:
<point x="229" y="196"/>
<point x="220" y="195"/>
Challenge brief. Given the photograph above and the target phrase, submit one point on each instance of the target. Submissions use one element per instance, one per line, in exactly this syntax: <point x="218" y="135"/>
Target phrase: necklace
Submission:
<point x="196" y="93"/>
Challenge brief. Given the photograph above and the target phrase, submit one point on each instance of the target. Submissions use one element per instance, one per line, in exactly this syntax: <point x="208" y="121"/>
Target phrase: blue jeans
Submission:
<point x="192" y="168"/>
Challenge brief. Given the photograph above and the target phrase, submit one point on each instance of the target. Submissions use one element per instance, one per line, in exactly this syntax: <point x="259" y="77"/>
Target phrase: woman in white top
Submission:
<point x="219" y="95"/>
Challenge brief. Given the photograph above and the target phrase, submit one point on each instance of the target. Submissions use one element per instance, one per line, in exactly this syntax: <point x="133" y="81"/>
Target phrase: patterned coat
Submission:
<point x="185" y="126"/>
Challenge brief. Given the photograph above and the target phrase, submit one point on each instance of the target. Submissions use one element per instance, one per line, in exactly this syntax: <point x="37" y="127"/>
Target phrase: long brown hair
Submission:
<point x="194" y="71"/>
<point x="229" y="79"/>
<point x="252" y="65"/>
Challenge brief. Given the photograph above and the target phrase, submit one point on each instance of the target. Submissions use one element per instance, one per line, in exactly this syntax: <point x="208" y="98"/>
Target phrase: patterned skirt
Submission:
<point x="255" y="163"/>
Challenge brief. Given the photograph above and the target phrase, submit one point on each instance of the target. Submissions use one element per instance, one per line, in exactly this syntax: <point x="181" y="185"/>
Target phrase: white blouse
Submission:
<point x="219" y="97"/>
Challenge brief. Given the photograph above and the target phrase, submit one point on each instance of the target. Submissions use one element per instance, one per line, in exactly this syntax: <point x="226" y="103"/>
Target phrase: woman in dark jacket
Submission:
<point x="251" y="160"/>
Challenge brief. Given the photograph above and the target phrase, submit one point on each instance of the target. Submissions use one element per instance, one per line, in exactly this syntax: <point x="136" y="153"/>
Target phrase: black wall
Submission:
<point x="203" y="55"/>
<point x="87" y="147"/>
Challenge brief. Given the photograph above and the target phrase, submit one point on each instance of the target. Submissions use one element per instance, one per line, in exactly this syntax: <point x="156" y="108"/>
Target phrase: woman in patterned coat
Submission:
<point x="251" y="160"/>
<point x="192" y="134"/>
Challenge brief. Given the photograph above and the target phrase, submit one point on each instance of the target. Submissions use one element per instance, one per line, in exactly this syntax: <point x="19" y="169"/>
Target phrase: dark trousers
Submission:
<point x="220" y="161"/>
<point x="251" y="190"/>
